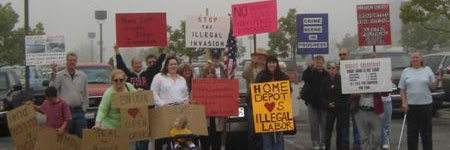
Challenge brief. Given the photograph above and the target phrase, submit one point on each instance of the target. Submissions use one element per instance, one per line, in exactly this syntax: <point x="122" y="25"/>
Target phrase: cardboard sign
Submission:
<point x="45" y="49"/>
<point x="162" y="119"/>
<point x="207" y="31"/>
<point x="366" y="75"/>
<point x="135" y="121"/>
<point x="23" y="126"/>
<point x="106" y="139"/>
<point x="48" y="139"/>
<point x="374" y="26"/>
<point x="254" y="18"/>
<point x="132" y="99"/>
<point x="141" y="29"/>
<point x="312" y="34"/>
<point x="272" y="107"/>
<point x="222" y="99"/>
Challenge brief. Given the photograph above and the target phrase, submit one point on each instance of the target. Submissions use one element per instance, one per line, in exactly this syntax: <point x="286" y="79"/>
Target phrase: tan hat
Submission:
<point x="260" y="51"/>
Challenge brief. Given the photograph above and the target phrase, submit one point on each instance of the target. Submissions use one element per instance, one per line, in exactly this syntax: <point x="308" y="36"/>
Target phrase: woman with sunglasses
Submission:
<point x="108" y="117"/>
<point x="338" y="109"/>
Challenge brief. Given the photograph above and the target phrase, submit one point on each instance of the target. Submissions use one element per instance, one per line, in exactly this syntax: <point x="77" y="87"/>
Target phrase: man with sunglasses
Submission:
<point x="137" y="76"/>
<point x="72" y="88"/>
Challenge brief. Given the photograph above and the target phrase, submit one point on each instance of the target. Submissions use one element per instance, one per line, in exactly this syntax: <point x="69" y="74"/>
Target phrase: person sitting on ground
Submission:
<point x="179" y="128"/>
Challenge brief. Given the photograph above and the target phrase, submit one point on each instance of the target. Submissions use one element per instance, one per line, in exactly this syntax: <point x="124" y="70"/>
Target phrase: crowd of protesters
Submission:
<point x="369" y="114"/>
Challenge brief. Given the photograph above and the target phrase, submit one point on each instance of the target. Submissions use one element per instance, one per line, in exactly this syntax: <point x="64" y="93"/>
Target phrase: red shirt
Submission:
<point x="56" y="113"/>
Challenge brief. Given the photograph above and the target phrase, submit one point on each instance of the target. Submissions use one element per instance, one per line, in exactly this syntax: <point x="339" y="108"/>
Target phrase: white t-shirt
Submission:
<point x="417" y="83"/>
<point x="366" y="100"/>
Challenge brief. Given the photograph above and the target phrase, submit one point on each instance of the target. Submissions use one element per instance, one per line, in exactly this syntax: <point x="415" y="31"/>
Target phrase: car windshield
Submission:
<point x="3" y="82"/>
<point x="97" y="75"/>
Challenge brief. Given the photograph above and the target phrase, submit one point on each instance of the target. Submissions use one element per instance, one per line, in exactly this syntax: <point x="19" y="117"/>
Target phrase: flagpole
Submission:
<point x="254" y="43"/>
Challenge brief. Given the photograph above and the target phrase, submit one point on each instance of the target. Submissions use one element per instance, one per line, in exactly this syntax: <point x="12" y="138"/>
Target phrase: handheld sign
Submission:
<point x="254" y="18"/>
<point x="136" y="122"/>
<point x="374" y="26"/>
<point x="45" y="49"/>
<point x="141" y="29"/>
<point x="132" y="99"/>
<point x="48" y="139"/>
<point x="207" y="31"/>
<point x="272" y="107"/>
<point x="366" y="75"/>
<point x="114" y="139"/>
<point x="23" y="126"/>
<point x="222" y="99"/>
<point x="312" y="34"/>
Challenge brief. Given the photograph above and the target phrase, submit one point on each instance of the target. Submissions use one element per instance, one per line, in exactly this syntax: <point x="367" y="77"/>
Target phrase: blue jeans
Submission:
<point x="273" y="141"/>
<point x="386" y="127"/>
<point x="356" y="138"/>
<point x="78" y="122"/>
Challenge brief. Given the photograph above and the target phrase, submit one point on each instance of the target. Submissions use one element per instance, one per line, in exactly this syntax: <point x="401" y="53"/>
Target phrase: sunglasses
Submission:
<point x="118" y="80"/>
<point x="343" y="54"/>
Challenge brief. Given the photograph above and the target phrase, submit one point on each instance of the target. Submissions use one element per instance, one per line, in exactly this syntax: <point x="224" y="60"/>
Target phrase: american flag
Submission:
<point x="230" y="56"/>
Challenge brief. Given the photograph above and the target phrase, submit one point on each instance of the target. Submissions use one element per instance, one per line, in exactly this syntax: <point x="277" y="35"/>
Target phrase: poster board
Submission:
<point x="141" y="29"/>
<point x="312" y="34"/>
<point x="136" y="122"/>
<point x="23" y="126"/>
<point x="272" y="107"/>
<point x="207" y="31"/>
<point x="254" y="18"/>
<point x="366" y="75"/>
<point x="162" y="119"/>
<point x="48" y="139"/>
<point x="222" y="99"/>
<point x="374" y="26"/>
<point x="45" y="49"/>
<point x="132" y="99"/>
<point x="105" y="139"/>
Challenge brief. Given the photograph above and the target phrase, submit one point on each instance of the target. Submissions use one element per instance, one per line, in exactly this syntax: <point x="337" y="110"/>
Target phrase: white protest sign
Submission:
<point x="207" y="31"/>
<point x="366" y="75"/>
<point x="45" y="49"/>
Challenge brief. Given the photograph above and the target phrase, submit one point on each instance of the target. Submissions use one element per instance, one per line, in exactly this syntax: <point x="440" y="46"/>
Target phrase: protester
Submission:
<point x="217" y="64"/>
<point x="415" y="83"/>
<point x="138" y="77"/>
<point x="56" y="111"/>
<point x="317" y="109"/>
<point x="72" y="88"/>
<point x="249" y="74"/>
<point x="344" y="54"/>
<point x="186" y="72"/>
<point x="272" y="72"/>
<point x="169" y="88"/>
<point x="337" y="107"/>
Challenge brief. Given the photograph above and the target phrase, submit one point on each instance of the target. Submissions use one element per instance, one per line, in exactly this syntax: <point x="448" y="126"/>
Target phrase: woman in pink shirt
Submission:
<point x="57" y="111"/>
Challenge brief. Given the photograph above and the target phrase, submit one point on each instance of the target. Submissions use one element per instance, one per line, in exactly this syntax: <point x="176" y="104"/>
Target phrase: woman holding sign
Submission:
<point x="415" y="84"/>
<point x="272" y="72"/>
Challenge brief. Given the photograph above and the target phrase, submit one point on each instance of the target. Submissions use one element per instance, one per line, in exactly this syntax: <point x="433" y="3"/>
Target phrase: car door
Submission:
<point x="446" y="77"/>
<point x="433" y="62"/>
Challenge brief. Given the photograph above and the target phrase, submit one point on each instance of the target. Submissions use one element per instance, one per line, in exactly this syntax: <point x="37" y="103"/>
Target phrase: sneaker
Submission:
<point x="316" y="148"/>
<point x="323" y="147"/>
<point x="385" y="146"/>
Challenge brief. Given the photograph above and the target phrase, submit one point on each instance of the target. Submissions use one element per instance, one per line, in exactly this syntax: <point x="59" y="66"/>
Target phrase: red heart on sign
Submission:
<point x="133" y="112"/>
<point x="269" y="106"/>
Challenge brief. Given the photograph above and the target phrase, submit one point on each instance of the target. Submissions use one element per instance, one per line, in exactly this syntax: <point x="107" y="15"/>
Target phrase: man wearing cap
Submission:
<point x="249" y="74"/>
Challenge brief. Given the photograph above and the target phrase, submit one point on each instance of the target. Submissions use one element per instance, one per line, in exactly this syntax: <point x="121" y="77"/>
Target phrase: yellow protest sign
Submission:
<point x="272" y="106"/>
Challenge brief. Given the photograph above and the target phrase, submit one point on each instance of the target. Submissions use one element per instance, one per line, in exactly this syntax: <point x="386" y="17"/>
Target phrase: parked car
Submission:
<point x="399" y="61"/>
<point x="36" y="79"/>
<point x="438" y="61"/>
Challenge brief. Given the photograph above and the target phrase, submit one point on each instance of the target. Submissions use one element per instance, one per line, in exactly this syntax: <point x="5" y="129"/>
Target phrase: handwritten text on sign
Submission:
<point x="272" y="107"/>
<point x="207" y="31"/>
<point x="48" y="139"/>
<point x="366" y="75"/>
<point x="254" y="18"/>
<point x="222" y="99"/>
<point x="132" y="99"/>
<point x="141" y="29"/>
<point x="136" y="122"/>
<point x="23" y="127"/>
<point x="105" y="139"/>
<point x="374" y="26"/>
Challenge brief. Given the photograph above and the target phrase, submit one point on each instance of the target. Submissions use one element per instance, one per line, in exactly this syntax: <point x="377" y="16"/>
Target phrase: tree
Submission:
<point x="423" y="11"/>
<point x="284" y="40"/>
<point x="12" y="40"/>
<point x="416" y="37"/>
<point x="350" y="42"/>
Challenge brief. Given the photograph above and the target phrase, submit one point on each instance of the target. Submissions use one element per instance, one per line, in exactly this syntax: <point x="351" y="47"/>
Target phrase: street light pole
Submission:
<point x="27" y="30"/>
<point x="101" y="42"/>
<point x="100" y="15"/>
<point x="91" y="36"/>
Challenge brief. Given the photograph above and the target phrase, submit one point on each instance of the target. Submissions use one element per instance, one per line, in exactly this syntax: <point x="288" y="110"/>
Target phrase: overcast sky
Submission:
<point x="75" y="18"/>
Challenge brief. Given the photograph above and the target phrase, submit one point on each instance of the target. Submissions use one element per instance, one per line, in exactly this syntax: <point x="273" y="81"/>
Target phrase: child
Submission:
<point x="179" y="128"/>
<point x="57" y="111"/>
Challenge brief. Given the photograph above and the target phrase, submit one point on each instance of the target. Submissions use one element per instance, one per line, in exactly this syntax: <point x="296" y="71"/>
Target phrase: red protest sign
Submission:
<point x="374" y="24"/>
<point x="254" y="18"/>
<point x="141" y="29"/>
<point x="219" y="96"/>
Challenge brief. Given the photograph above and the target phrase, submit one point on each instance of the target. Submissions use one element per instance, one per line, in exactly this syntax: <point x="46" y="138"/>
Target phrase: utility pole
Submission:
<point x="27" y="32"/>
